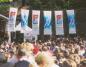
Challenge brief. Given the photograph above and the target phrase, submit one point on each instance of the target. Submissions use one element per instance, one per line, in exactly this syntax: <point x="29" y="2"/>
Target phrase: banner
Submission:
<point x="24" y="18"/>
<point x="35" y="21"/>
<point x="59" y="22"/>
<point x="47" y="23"/>
<point x="71" y="21"/>
<point x="12" y="19"/>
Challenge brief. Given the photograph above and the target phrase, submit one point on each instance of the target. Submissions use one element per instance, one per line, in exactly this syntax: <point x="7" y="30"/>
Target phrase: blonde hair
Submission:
<point x="44" y="59"/>
<point x="75" y="57"/>
<point x="69" y="63"/>
<point x="26" y="47"/>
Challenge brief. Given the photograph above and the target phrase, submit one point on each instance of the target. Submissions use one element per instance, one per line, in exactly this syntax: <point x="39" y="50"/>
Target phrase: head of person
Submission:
<point x="83" y="63"/>
<point x="44" y="48"/>
<point x="44" y="60"/>
<point x="20" y="53"/>
<point x="27" y="48"/>
<point x="69" y="63"/>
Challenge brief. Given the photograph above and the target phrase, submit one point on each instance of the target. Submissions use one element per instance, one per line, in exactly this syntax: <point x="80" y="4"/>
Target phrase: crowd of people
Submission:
<point x="61" y="52"/>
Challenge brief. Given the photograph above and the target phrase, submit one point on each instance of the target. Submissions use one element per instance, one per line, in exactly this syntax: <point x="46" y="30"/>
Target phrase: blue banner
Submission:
<point x="24" y="18"/>
<point x="71" y="21"/>
<point x="47" y="23"/>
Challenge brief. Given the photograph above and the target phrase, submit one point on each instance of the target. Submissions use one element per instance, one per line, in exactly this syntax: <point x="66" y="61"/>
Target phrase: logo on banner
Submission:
<point x="71" y="20"/>
<point x="11" y="17"/>
<point x="24" y="20"/>
<point x="59" y="19"/>
<point x="35" y="19"/>
<point x="47" y="22"/>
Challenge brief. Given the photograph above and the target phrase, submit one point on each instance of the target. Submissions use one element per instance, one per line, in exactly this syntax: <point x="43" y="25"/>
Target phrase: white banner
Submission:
<point x="59" y="22"/>
<point x="71" y="21"/>
<point x="24" y="18"/>
<point x="12" y="19"/>
<point x="47" y="23"/>
<point x="35" y="21"/>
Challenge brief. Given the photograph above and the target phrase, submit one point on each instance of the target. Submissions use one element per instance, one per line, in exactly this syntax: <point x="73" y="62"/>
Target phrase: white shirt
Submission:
<point x="54" y="65"/>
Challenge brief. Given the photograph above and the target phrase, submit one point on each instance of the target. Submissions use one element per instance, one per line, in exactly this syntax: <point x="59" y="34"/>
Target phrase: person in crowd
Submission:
<point x="62" y="52"/>
<point x="45" y="60"/>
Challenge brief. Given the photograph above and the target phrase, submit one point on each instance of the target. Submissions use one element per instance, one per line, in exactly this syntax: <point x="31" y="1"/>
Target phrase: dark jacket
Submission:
<point x="22" y="64"/>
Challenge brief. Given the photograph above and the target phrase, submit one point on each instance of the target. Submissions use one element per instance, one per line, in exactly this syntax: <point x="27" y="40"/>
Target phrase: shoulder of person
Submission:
<point x="22" y="63"/>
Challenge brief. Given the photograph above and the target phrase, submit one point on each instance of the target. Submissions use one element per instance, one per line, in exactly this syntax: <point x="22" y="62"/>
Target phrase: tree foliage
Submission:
<point x="56" y="4"/>
<point x="49" y="4"/>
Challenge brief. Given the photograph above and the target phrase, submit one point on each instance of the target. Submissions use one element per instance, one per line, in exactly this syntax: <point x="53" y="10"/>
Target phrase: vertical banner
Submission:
<point x="35" y="21"/>
<point x="12" y="19"/>
<point x="59" y="22"/>
<point x="47" y="23"/>
<point x="71" y="21"/>
<point x="24" y="18"/>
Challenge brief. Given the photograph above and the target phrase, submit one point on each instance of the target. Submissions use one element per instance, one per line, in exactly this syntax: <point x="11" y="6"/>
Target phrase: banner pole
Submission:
<point x="35" y="39"/>
<point x="9" y="35"/>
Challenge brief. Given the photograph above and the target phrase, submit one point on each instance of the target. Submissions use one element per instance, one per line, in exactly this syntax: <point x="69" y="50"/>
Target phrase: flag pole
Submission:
<point x="9" y="35"/>
<point x="35" y="39"/>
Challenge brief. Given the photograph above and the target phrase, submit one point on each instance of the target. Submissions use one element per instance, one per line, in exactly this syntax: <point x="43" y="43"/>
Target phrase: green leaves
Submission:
<point x="4" y="1"/>
<point x="3" y="8"/>
<point x="51" y="4"/>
